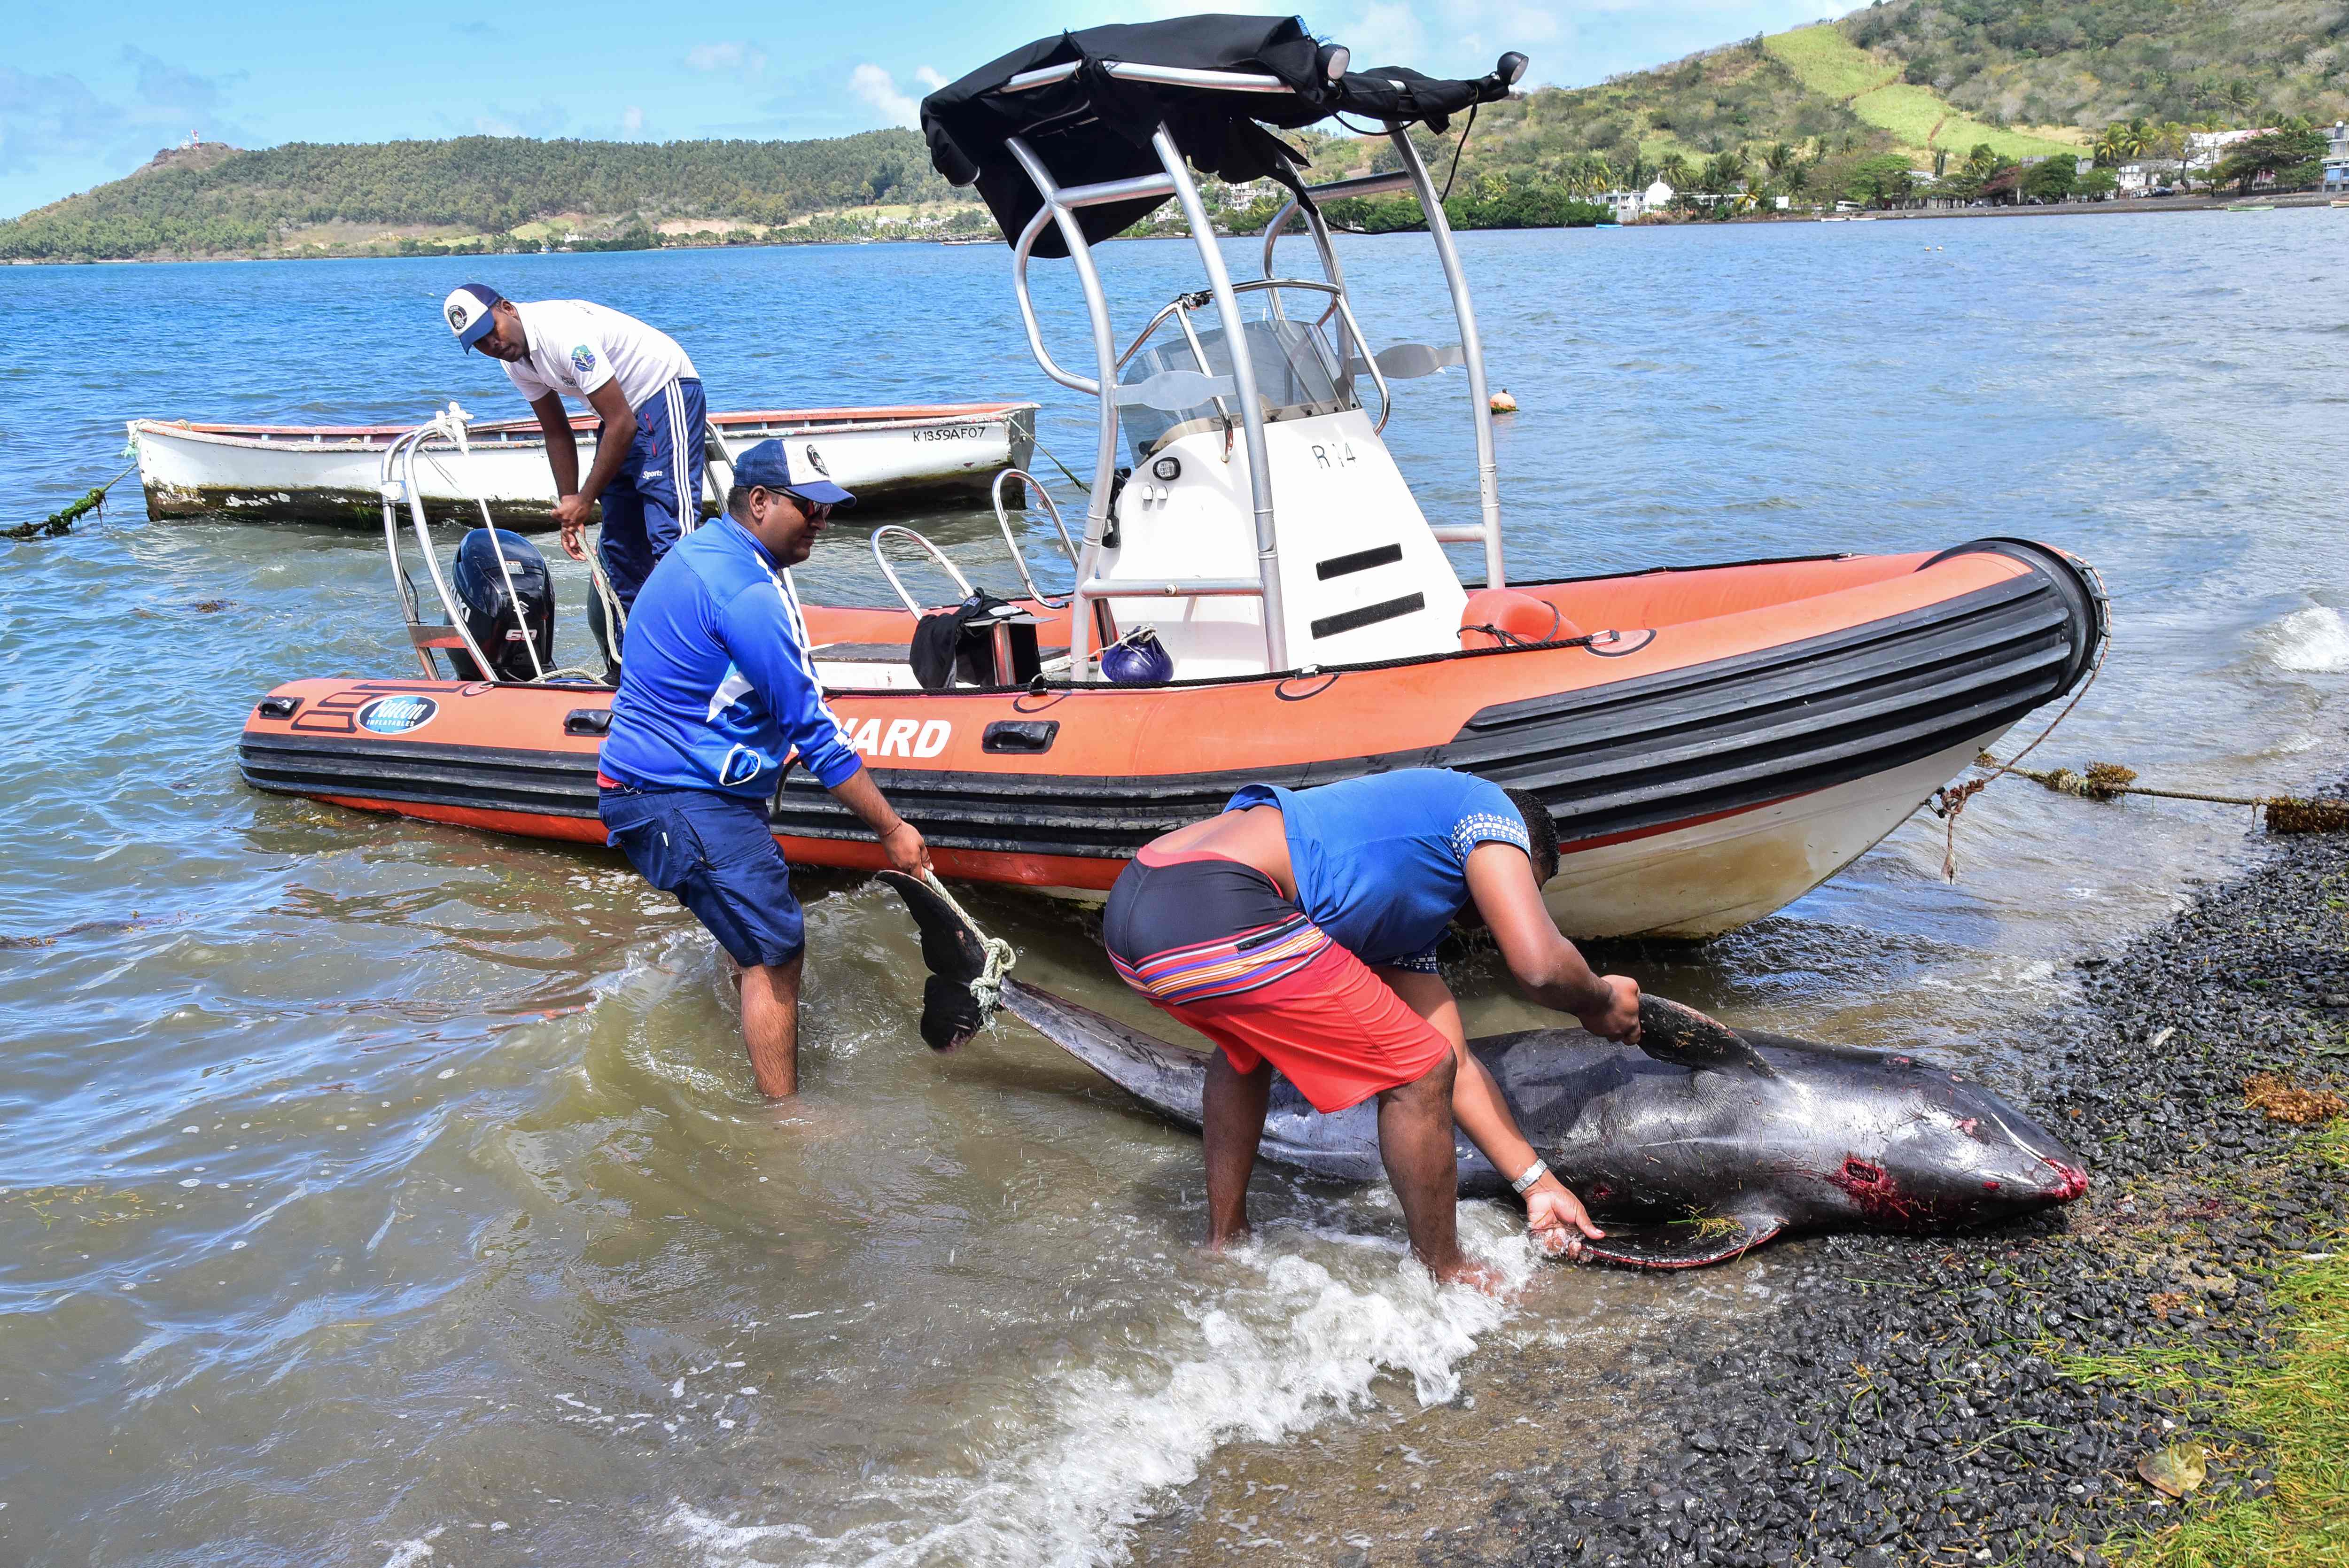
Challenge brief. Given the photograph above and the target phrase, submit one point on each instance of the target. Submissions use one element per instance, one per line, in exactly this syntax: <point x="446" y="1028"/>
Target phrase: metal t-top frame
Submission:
<point x="1061" y="206"/>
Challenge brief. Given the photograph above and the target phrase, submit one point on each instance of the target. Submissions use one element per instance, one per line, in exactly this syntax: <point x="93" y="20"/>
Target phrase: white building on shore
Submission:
<point x="1623" y="206"/>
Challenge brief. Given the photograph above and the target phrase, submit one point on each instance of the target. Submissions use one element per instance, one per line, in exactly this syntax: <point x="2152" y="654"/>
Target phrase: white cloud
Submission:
<point x="631" y="119"/>
<point x="43" y="117"/>
<point x="491" y="125"/>
<point x="1382" y="33"/>
<point x="746" y="59"/>
<point x="929" y="77"/>
<point x="876" y="88"/>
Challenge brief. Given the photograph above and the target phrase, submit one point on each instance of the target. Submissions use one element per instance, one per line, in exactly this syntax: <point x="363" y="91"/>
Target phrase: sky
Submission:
<point x="89" y="95"/>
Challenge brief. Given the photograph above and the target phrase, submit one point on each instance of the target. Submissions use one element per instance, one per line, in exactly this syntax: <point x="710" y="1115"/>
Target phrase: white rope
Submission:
<point x="987" y="989"/>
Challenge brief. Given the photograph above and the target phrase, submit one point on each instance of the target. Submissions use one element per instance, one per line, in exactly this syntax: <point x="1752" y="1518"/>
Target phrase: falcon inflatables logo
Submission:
<point x="396" y="715"/>
<point x="816" y="463"/>
<point x="583" y="359"/>
<point x="457" y="318"/>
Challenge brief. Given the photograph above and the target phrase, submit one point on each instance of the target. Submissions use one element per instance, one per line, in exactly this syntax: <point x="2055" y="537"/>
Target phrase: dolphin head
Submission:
<point x="1947" y="1153"/>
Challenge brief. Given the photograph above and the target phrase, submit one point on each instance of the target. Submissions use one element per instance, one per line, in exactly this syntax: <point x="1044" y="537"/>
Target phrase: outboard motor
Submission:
<point x="507" y="623"/>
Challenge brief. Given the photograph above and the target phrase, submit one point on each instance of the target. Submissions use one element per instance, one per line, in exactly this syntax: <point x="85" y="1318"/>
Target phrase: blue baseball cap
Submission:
<point x="468" y="310"/>
<point x="769" y="466"/>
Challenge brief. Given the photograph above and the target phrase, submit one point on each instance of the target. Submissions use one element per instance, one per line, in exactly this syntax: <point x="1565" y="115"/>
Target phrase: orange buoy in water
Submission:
<point x="1502" y="402"/>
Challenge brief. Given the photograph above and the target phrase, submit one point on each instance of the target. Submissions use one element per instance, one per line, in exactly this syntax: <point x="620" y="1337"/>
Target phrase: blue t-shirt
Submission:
<point x="1381" y="861"/>
<point x="716" y="689"/>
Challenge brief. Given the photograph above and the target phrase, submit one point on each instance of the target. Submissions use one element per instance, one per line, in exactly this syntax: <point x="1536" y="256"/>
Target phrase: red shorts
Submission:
<point x="1263" y="982"/>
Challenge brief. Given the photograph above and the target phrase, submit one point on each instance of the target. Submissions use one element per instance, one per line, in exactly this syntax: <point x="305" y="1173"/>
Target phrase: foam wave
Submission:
<point x="1263" y="1361"/>
<point x="2315" y="641"/>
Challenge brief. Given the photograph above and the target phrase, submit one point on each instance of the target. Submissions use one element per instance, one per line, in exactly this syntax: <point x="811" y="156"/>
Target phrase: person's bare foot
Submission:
<point x="1464" y="1270"/>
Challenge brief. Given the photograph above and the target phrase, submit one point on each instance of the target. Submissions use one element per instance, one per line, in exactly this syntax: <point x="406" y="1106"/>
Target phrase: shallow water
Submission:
<point x="378" y="1192"/>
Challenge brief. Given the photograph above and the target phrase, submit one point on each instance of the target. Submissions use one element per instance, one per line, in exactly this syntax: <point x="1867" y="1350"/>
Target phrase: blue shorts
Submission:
<point x="716" y="853"/>
<point x="656" y="497"/>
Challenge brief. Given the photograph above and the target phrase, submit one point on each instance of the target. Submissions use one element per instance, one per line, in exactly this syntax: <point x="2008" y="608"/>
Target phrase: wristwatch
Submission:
<point x="1534" y="1172"/>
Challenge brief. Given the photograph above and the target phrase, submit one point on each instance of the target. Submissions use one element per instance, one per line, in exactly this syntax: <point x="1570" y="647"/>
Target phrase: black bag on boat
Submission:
<point x="509" y="606"/>
<point x="959" y="642"/>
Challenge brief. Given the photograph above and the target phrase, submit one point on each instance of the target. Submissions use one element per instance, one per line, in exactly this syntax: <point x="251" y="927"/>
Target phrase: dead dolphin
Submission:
<point x="1730" y="1139"/>
<point x="1681" y="1166"/>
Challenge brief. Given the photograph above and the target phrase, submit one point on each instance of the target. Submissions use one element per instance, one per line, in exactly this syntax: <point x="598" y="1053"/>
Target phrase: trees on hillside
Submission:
<point x="2097" y="61"/>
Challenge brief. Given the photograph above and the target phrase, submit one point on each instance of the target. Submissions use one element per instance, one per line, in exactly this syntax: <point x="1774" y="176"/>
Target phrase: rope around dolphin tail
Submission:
<point x="966" y="965"/>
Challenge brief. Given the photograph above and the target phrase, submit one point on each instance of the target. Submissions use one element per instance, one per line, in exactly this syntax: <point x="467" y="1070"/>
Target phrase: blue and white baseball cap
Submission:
<point x="770" y="466"/>
<point x="468" y="310"/>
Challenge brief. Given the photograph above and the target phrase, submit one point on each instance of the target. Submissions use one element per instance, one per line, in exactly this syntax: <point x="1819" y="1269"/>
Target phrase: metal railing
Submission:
<point x="1019" y="556"/>
<point x="1061" y="206"/>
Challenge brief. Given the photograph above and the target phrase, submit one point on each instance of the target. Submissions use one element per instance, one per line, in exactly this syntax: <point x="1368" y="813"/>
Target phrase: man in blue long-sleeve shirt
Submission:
<point x="717" y="697"/>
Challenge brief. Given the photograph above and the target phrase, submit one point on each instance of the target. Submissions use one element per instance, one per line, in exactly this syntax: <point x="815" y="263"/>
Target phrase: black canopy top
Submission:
<point x="1093" y="126"/>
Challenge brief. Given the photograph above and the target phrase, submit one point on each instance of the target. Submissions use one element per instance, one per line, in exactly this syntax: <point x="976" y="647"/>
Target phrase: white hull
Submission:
<point x="327" y="473"/>
<point x="1711" y="877"/>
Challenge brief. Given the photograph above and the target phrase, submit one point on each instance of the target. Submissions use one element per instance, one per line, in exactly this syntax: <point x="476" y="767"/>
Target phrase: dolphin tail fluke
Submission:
<point x="955" y="953"/>
<point x="1682" y="1244"/>
<point x="1685" y="1037"/>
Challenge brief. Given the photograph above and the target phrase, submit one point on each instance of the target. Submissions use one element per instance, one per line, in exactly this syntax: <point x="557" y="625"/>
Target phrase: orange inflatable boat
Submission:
<point x="1713" y="741"/>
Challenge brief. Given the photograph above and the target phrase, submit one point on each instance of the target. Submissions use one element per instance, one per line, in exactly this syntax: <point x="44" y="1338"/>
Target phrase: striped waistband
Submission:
<point x="1228" y="966"/>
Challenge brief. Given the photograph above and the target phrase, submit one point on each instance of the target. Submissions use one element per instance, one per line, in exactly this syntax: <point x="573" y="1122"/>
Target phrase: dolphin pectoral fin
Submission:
<point x="1682" y="1244"/>
<point x="1685" y="1037"/>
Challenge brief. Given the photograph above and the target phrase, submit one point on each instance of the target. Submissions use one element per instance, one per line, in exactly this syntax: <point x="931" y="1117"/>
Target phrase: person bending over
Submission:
<point x="716" y="700"/>
<point x="646" y="397"/>
<point x="1297" y="930"/>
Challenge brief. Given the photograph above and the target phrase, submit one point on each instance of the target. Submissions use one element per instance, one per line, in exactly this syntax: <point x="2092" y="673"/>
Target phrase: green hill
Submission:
<point x="1876" y="89"/>
<point x="2090" y="63"/>
<point x="1821" y="111"/>
<point x="477" y="194"/>
<point x="1812" y="113"/>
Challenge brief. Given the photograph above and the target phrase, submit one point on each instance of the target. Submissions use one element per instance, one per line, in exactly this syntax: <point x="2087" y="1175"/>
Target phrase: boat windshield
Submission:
<point x="1297" y="375"/>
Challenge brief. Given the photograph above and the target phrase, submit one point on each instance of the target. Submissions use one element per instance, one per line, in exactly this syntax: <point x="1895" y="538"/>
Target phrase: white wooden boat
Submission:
<point x="327" y="473"/>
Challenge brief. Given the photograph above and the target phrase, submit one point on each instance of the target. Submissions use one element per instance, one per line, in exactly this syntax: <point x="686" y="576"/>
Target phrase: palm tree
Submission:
<point x="1588" y="174"/>
<point x="1724" y="172"/>
<point x="2121" y="139"/>
<point x="1673" y="170"/>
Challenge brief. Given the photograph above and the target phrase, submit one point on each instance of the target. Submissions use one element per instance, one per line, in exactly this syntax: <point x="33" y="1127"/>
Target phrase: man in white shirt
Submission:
<point x="648" y="446"/>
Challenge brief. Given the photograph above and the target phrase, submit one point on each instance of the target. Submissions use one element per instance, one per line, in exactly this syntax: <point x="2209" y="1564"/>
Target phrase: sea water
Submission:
<point x="378" y="1192"/>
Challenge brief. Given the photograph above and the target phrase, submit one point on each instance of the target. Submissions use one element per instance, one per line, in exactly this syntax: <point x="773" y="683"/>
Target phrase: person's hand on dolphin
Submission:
<point x="1558" y="1219"/>
<point x="1616" y="1016"/>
